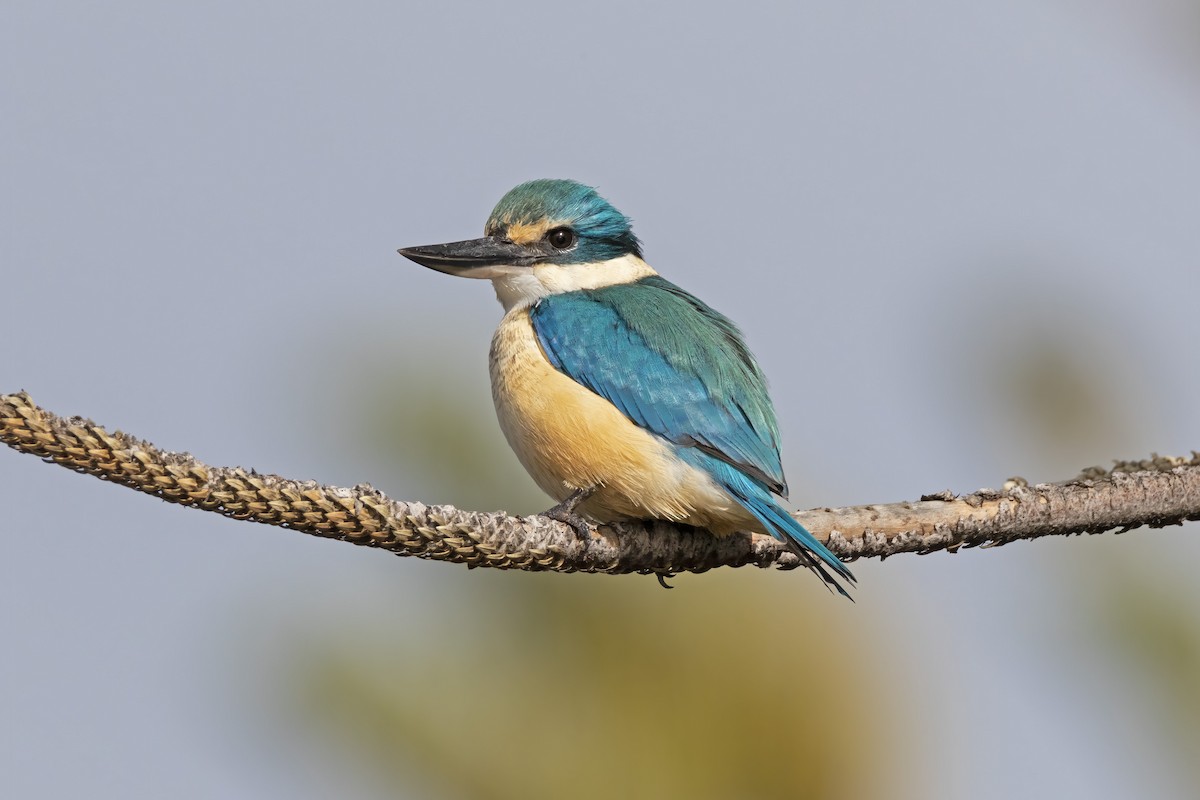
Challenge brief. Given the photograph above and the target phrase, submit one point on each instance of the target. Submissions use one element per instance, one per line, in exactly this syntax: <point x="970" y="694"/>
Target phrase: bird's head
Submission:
<point x="543" y="222"/>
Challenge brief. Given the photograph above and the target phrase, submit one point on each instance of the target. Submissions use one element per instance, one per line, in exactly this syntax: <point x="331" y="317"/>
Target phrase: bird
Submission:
<point x="624" y="396"/>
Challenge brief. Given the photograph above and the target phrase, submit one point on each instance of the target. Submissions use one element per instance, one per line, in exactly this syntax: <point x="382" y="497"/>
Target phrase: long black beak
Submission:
<point x="475" y="258"/>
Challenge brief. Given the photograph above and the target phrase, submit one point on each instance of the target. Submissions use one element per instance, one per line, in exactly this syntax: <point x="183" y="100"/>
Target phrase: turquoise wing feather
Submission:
<point x="679" y="369"/>
<point x="671" y="364"/>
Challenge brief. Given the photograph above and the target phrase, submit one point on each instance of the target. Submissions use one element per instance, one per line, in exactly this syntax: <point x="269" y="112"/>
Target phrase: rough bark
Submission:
<point x="1155" y="492"/>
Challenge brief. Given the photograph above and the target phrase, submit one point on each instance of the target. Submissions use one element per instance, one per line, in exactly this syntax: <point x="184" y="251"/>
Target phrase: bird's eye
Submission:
<point x="560" y="238"/>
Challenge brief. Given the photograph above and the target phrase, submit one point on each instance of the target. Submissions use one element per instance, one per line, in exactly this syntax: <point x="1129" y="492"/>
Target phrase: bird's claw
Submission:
<point x="565" y="512"/>
<point x="580" y="525"/>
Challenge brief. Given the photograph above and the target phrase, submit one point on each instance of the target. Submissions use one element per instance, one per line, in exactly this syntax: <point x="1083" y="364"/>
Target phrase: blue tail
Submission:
<point x="785" y="528"/>
<point x="757" y="500"/>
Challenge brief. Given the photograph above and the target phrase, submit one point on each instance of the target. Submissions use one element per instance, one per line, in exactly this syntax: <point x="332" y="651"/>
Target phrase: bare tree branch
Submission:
<point x="1156" y="492"/>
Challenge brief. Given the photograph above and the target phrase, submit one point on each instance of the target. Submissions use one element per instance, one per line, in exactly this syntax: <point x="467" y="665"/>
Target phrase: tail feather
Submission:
<point x="753" y="496"/>
<point x="784" y="527"/>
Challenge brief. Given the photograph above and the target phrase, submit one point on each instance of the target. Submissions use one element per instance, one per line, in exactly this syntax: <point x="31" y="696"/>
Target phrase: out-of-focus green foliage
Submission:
<point x="595" y="687"/>
<point x="1047" y="378"/>
<point x="1145" y="623"/>
<point x="459" y="453"/>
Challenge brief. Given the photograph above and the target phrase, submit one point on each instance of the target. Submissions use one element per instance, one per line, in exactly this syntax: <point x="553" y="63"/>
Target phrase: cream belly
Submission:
<point x="568" y="437"/>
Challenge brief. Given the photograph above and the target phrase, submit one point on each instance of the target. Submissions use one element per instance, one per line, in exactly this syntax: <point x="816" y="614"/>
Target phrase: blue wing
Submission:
<point x="679" y="369"/>
<point x="669" y="363"/>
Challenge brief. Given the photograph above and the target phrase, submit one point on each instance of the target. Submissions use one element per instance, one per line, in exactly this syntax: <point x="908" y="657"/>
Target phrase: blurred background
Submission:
<point x="963" y="240"/>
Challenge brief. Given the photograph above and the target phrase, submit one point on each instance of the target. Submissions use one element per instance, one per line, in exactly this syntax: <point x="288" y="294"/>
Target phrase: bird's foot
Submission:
<point x="662" y="579"/>
<point x="565" y="512"/>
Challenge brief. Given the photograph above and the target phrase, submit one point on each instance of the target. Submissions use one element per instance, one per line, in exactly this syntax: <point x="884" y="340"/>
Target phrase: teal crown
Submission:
<point x="602" y="231"/>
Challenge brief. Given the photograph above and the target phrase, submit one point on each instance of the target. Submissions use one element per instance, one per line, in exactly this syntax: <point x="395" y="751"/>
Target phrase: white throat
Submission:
<point x="518" y="290"/>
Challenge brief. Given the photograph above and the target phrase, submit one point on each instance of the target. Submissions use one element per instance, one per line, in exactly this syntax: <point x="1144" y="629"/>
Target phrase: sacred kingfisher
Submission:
<point x="624" y="396"/>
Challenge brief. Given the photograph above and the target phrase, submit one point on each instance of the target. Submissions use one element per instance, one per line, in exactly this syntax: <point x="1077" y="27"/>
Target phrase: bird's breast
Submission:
<point x="568" y="437"/>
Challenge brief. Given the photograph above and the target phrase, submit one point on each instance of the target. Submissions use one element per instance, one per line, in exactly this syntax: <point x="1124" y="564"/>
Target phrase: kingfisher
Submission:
<point x="624" y="396"/>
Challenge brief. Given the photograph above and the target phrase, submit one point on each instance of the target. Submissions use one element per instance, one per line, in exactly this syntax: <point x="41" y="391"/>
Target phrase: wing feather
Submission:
<point x="671" y="364"/>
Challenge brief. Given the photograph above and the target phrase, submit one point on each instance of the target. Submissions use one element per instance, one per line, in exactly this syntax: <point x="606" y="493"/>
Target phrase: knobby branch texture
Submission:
<point x="1156" y="492"/>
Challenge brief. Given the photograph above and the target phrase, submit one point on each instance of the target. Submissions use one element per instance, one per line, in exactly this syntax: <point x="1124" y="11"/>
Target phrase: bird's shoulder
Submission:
<point x="694" y="337"/>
